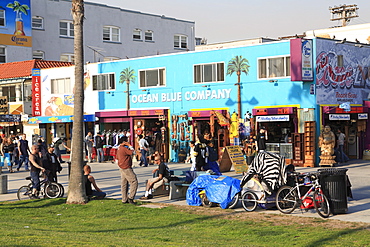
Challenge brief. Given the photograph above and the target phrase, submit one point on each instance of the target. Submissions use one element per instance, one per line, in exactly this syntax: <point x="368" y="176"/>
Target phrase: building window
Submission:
<point x="274" y="67"/>
<point x="148" y="35"/>
<point x="2" y="18"/>
<point x="9" y="91"/>
<point x="152" y="77"/>
<point x="103" y="82"/>
<point x="66" y="29"/>
<point x="107" y="59"/>
<point x="27" y="91"/>
<point x="181" y="41"/>
<point x="37" y="22"/>
<point x="2" y="55"/>
<point x="38" y="55"/>
<point x="61" y="86"/>
<point x="111" y="34"/>
<point x="213" y="72"/>
<point x="136" y="34"/>
<point x="340" y="62"/>
<point x="66" y="57"/>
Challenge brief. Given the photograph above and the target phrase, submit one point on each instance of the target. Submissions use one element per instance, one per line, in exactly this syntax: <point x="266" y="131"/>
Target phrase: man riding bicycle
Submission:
<point x="36" y="166"/>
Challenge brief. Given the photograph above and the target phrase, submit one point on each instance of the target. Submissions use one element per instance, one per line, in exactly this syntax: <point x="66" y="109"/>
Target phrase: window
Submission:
<point x="136" y="34"/>
<point x="148" y="35"/>
<point x="9" y="91"/>
<point x="209" y="72"/>
<point x="106" y="59"/>
<point x="38" y="55"/>
<point x="274" y="67"/>
<point x="2" y="18"/>
<point x="61" y="86"/>
<point x="2" y="55"/>
<point x="37" y="22"/>
<point x="103" y="82"/>
<point x="152" y="77"/>
<point x="181" y="41"/>
<point x="340" y="61"/>
<point x="111" y="34"/>
<point x="66" y="57"/>
<point x="27" y="91"/>
<point x="66" y="29"/>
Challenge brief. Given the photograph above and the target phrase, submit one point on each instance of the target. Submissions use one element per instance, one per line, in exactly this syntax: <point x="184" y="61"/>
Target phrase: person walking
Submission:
<point x="143" y="146"/>
<point x="23" y="151"/>
<point x="128" y="176"/>
<point x="89" y="140"/>
<point x="341" y="139"/>
<point x="6" y="150"/>
<point x="99" y="147"/>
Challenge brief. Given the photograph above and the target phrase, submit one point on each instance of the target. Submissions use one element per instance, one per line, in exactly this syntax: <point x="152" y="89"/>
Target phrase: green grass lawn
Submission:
<point x="111" y="223"/>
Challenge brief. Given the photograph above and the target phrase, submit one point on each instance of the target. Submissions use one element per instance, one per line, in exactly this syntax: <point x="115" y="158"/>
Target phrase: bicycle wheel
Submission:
<point x="206" y="202"/>
<point x="286" y="199"/>
<point x="24" y="193"/>
<point x="61" y="190"/>
<point x="52" y="190"/>
<point x="234" y="201"/>
<point x="249" y="201"/>
<point x="321" y="204"/>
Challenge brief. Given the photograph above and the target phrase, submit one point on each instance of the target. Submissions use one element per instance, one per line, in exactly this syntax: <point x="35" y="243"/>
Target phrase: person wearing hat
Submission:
<point x="51" y="164"/>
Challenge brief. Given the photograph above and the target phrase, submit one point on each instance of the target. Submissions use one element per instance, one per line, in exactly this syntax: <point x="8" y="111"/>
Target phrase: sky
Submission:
<point x="230" y="20"/>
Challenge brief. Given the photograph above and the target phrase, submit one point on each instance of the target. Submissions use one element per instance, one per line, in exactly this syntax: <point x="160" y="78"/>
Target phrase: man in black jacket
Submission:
<point x="51" y="164"/>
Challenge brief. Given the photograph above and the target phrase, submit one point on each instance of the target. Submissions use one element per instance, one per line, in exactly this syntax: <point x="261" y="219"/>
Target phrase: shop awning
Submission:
<point x="59" y="119"/>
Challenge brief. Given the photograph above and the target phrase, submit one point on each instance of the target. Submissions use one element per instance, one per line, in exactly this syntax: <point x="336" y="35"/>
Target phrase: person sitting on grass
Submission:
<point x="154" y="183"/>
<point x="89" y="180"/>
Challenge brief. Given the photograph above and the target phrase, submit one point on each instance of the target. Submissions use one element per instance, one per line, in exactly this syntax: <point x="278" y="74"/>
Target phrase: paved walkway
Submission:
<point x="108" y="179"/>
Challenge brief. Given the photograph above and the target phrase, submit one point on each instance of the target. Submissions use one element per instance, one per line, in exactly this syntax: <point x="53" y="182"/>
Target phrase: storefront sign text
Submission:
<point x="277" y="118"/>
<point x="339" y="117"/>
<point x="4" y="105"/>
<point x="36" y="92"/>
<point x="179" y="96"/>
<point x="362" y="116"/>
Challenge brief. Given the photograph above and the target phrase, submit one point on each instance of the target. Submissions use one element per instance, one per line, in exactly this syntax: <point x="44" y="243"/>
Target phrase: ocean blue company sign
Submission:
<point x="15" y="23"/>
<point x="180" y="96"/>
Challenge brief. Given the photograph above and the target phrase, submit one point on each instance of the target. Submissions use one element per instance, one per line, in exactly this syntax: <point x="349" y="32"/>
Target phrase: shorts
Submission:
<point x="158" y="184"/>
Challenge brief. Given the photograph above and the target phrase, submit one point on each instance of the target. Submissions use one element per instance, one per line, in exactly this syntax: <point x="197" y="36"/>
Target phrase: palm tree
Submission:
<point x="76" y="188"/>
<point x="127" y="75"/>
<point x="238" y="64"/>
<point x="18" y="9"/>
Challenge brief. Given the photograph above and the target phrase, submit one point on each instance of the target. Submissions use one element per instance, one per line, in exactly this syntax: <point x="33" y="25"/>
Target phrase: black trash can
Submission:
<point x="334" y="185"/>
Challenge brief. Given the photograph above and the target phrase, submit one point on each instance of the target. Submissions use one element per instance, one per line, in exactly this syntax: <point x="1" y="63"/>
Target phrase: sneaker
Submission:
<point x="17" y="169"/>
<point x="34" y="197"/>
<point x="131" y="201"/>
<point x="125" y="202"/>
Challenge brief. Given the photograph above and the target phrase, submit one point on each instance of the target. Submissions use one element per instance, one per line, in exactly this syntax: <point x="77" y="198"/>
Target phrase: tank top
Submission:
<point x="38" y="161"/>
<point x="87" y="185"/>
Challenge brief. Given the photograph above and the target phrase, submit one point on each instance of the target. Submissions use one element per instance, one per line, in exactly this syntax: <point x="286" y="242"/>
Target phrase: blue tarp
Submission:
<point x="219" y="189"/>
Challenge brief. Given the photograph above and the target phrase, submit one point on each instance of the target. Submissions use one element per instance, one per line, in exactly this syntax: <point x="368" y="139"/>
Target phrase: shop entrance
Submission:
<point x="157" y="133"/>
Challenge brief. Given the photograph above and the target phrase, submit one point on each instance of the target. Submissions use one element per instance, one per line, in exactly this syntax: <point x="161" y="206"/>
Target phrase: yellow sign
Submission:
<point x="233" y="156"/>
<point x="17" y="40"/>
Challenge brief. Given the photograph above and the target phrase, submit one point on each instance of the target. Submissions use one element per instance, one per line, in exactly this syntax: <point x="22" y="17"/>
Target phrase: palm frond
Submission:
<point x="127" y="74"/>
<point x="238" y="64"/>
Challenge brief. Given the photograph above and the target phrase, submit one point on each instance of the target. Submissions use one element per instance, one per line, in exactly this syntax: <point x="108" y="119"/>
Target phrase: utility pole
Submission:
<point x="343" y="13"/>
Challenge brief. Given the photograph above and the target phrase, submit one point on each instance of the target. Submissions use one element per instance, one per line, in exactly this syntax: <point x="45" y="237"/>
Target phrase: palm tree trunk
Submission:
<point x="239" y="96"/>
<point x="76" y="188"/>
<point x="128" y="94"/>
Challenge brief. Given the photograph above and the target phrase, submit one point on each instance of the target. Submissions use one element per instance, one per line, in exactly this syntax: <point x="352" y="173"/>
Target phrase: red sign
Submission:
<point x="36" y="92"/>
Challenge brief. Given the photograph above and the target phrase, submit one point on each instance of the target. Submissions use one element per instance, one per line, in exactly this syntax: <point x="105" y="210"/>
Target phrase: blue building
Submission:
<point x="181" y="97"/>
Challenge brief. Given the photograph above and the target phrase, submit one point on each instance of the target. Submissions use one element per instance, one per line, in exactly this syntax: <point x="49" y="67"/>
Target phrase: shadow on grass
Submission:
<point x="32" y="203"/>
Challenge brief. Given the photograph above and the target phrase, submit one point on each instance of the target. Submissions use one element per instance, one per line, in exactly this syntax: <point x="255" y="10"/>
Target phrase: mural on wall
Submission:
<point x="61" y="104"/>
<point x="16" y="29"/>
<point x="127" y="75"/>
<point x="342" y="73"/>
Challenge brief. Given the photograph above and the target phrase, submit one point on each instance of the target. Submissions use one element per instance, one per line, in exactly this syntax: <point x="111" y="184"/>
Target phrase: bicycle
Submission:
<point x="289" y="198"/>
<point x="48" y="189"/>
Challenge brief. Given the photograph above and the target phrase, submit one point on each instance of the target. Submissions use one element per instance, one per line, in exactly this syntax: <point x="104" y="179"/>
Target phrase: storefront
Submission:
<point x="10" y="124"/>
<point x="351" y="122"/>
<point x="280" y="124"/>
<point x="58" y="126"/>
<point x="136" y="122"/>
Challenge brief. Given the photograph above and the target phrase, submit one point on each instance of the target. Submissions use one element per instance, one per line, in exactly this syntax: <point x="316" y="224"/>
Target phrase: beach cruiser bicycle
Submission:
<point x="47" y="189"/>
<point x="289" y="198"/>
